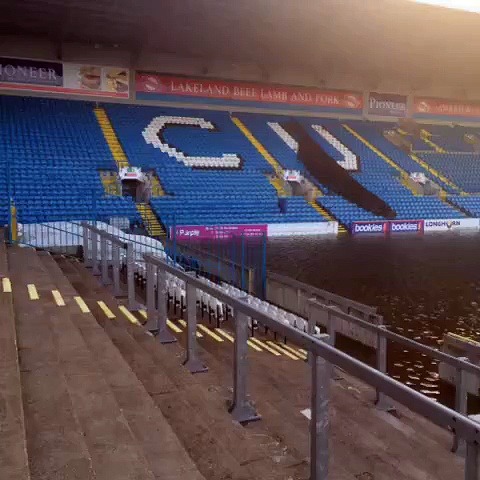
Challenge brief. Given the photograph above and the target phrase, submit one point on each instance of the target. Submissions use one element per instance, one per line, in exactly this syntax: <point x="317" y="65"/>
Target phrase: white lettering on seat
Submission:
<point x="152" y="135"/>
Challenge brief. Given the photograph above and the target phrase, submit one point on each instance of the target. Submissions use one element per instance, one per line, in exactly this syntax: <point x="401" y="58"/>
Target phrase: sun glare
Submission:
<point x="468" y="5"/>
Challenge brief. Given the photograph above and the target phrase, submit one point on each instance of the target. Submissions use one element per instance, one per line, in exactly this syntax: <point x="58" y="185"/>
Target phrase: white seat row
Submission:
<point x="350" y="161"/>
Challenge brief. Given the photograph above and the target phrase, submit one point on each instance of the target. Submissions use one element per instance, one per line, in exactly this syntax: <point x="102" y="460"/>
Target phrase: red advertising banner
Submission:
<point x="446" y="108"/>
<point x="151" y="84"/>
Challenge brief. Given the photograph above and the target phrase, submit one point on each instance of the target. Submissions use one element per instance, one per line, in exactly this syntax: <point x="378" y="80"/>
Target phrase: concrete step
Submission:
<point x="75" y="428"/>
<point x="13" y="443"/>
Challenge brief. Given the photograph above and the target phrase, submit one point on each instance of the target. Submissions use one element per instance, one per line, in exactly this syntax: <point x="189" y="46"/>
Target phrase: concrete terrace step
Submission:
<point x="221" y="448"/>
<point x="13" y="443"/>
<point x="165" y="454"/>
<point x="75" y="428"/>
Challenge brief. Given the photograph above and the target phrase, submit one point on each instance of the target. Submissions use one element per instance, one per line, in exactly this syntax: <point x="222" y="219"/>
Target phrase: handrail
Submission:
<point x="322" y="355"/>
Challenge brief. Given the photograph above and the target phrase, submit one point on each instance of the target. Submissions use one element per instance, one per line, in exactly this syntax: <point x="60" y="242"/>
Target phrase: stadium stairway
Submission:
<point x="220" y="448"/>
<point x="153" y="226"/>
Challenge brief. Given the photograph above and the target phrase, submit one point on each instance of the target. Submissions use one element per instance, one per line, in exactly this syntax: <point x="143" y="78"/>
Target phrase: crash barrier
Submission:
<point x="322" y="356"/>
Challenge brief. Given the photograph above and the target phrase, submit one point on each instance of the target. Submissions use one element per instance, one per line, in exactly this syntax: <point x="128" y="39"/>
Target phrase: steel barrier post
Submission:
<point x="472" y="471"/>
<point x="382" y="401"/>
<point x="242" y="411"/>
<point x="192" y="363"/>
<point x="319" y="422"/>
<point x="152" y="312"/>
<point x="164" y="334"/>
<point x="132" y="304"/>
<point x="86" y="251"/>
<point x="461" y="398"/>
<point x="95" y="269"/>
<point x="104" y="260"/>
<point x="117" y="292"/>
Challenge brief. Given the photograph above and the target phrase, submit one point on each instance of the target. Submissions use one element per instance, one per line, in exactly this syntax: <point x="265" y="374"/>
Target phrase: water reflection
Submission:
<point x="423" y="285"/>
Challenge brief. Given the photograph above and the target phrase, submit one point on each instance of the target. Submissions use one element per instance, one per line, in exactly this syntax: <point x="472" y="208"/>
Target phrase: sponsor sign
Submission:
<point x="405" y="226"/>
<point x="451" y="224"/>
<point x="387" y="105"/>
<point x="359" y="228"/>
<point x="151" y="85"/>
<point x="436" y="107"/>
<point x="218" y="232"/>
<point x="68" y="78"/>
<point x="131" y="173"/>
<point x="298" y="229"/>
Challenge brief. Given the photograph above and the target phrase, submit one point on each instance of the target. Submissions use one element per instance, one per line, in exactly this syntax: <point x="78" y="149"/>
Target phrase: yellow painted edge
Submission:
<point x="7" y="285"/>
<point x="183" y="323"/>
<point x="174" y="327"/>
<point x="223" y="333"/>
<point x="255" y="347"/>
<point x="143" y="313"/>
<point x="32" y="291"/>
<point x="108" y="313"/>
<point x="303" y="351"/>
<point x="277" y="347"/>
<point x="211" y="334"/>
<point x="82" y="305"/>
<point x="130" y="317"/>
<point x="298" y="353"/>
<point x="265" y="346"/>
<point x="57" y="296"/>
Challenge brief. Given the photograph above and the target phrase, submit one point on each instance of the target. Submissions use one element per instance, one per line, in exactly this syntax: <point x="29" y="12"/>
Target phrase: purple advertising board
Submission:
<point x="392" y="227"/>
<point x="218" y="232"/>
<point x="387" y="105"/>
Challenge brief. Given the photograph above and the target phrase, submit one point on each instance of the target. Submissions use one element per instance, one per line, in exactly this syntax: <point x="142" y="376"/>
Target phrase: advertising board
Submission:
<point x="451" y="224"/>
<point x="387" y="105"/>
<point x="299" y="229"/>
<point x="217" y="232"/>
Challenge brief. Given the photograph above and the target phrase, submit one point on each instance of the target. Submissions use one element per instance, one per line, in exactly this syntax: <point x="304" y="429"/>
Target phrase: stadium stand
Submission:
<point x="54" y="150"/>
<point x="451" y="138"/>
<point x="210" y="172"/>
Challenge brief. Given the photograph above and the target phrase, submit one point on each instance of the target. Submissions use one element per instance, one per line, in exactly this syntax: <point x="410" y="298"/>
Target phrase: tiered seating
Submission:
<point x="451" y="138"/>
<point x="463" y="169"/>
<point x="204" y="161"/>
<point x="54" y="149"/>
<point x="346" y="211"/>
<point x="471" y="204"/>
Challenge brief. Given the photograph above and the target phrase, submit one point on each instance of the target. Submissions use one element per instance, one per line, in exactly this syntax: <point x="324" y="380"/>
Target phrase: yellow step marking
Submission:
<point x="32" y="292"/>
<point x="143" y="313"/>
<point x="82" y="305"/>
<point x="173" y="327"/>
<point x="277" y="347"/>
<point x="183" y="323"/>
<point x="255" y="347"/>
<point x="7" y="285"/>
<point x="225" y="334"/>
<point x="57" y="296"/>
<point x="265" y="346"/>
<point x="206" y="330"/>
<point x="303" y="351"/>
<point x="108" y="313"/>
<point x="298" y="353"/>
<point x="130" y="317"/>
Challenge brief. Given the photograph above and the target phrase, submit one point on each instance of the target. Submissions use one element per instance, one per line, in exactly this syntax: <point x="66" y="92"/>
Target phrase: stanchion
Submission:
<point x="86" y="250"/>
<point x="132" y="303"/>
<point x="192" y="363"/>
<point x="319" y="421"/>
<point x="117" y="291"/>
<point x="382" y="402"/>
<point x="242" y="411"/>
<point x="472" y="470"/>
<point x="104" y="260"/>
<point x="95" y="269"/>
<point x="152" y="312"/>
<point x="461" y="398"/>
<point x="164" y="334"/>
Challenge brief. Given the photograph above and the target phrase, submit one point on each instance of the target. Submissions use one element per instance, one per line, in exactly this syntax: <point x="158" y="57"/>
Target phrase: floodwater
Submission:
<point x="424" y="286"/>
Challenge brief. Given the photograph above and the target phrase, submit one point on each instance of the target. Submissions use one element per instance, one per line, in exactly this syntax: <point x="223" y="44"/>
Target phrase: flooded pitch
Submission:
<point x="424" y="286"/>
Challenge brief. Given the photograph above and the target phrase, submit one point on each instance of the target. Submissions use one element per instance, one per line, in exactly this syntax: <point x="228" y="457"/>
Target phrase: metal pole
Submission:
<point x="243" y="263"/>
<point x="193" y="364"/>
<point x="95" y="268"/>
<point x="242" y="411"/>
<point x="164" y="334"/>
<point x="382" y="401"/>
<point x="152" y="312"/>
<point x="461" y="400"/>
<point x="86" y="250"/>
<point x="319" y="422"/>
<point x="104" y="260"/>
<point x="132" y="304"/>
<point x="471" y="462"/>
<point x="117" y="292"/>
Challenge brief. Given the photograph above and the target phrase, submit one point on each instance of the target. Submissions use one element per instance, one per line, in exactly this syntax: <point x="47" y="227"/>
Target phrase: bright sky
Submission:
<point x="469" y="5"/>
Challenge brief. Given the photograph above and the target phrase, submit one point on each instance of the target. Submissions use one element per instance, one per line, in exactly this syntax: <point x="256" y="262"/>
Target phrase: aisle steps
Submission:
<point x="154" y="228"/>
<point x="13" y="444"/>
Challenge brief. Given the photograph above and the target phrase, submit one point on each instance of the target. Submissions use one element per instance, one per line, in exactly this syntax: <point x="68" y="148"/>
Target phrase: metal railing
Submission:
<point x="100" y="261"/>
<point x="322" y="355"/>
